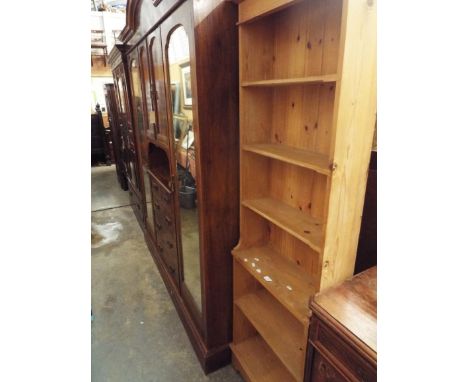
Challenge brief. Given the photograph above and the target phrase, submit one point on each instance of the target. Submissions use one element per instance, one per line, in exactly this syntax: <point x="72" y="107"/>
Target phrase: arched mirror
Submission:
<point x="184" y="150"/>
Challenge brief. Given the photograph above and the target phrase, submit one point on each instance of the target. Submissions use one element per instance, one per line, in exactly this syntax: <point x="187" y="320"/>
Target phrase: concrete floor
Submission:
<point x="136" y="334"/>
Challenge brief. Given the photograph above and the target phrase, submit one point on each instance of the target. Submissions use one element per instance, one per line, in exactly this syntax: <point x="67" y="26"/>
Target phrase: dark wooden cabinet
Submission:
<point x="116" y="138"/>
<point x="123" y="119"/>
<point x="342" y="342"/>
<point x="176" y="75"/>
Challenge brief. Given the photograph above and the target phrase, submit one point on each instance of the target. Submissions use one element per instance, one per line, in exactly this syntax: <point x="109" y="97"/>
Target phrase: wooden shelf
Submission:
<point x="289" y="284"/>
<point x="264" y="368"/>
<point x="327" y="78"/>
<point x="298" y="157"/>
<point x="250" y="10"/>
<point x="300" y="225"/>
<point x="270" y="319"/>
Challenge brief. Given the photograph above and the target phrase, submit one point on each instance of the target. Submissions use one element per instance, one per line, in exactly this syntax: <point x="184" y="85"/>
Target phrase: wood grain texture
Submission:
<point x="218" y="117"/>
<point x="353" y="127"/>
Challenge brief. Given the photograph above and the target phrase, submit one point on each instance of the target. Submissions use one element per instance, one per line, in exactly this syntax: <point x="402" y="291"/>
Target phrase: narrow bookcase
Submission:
<point x="307" y="113"/>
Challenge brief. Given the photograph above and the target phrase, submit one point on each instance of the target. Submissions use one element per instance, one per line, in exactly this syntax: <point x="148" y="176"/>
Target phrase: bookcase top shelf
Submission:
<point x="310" y="80"/>
<point x="281" y="277"/>
<point x="297" y="223"/>
<point x="299" y="157"/>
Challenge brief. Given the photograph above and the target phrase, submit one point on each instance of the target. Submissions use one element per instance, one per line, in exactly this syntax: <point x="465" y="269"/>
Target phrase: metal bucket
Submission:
<point x="187" y="197"/>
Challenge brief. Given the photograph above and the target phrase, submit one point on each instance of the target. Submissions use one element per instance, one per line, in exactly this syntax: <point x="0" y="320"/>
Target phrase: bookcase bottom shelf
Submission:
<point x="257" y="363"/>
<point x="281" y="277"/>
<point x="269" y="318"/>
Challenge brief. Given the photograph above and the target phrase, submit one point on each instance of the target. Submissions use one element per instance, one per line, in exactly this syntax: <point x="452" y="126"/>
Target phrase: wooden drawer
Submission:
<point x="161" y="206"/>
<point x="162" y="198"/>
<point x="323" y="371"/>
<point x="343" y="354"/>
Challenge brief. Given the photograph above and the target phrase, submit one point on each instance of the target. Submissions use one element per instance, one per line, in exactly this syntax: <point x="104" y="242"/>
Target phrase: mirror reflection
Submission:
<point x="149" y="201"/>
<point x="184" y="151"/>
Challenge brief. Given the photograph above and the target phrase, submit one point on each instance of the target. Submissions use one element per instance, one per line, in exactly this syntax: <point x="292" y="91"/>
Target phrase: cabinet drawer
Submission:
<point x="161" y="207"/>
<point x="359" y="368"/>
<point x="323" y="371"/>
<point x="161" y="197"/>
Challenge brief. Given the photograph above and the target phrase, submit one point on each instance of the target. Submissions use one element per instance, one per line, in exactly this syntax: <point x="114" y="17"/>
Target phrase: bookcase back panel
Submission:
<point x="254" y="184"/>
<point x="255" y="230"/>
<point x="298" y="187"/>
<point x="303" y="116"/>
<point x="299" y="41"/>
<point x="296" y="251"/>
<point x="299" y="116"/>
<point x="256" y="115"/>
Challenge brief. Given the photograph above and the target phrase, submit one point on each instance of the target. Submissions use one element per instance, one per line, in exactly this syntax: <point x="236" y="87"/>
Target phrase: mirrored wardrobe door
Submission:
<point x="184" y="151"/>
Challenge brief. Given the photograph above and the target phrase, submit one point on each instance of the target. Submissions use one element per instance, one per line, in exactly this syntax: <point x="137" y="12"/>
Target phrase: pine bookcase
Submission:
<point x="307" y="114"/>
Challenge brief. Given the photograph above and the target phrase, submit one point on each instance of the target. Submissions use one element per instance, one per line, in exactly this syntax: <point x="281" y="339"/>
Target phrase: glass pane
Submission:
<point x="147" y="89"/>
<point x="121" y="95"/>
<point x="137" y="101"/>
<point x="181" y="97"/>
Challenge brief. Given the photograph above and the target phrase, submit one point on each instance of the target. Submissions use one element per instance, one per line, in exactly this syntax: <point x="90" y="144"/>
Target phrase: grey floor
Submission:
<point x="136" y="334"/>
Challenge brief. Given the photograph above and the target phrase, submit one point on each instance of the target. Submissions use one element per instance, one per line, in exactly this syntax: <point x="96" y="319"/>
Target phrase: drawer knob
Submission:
<point x="170" y="245"/>
<point x="168" y="220"/>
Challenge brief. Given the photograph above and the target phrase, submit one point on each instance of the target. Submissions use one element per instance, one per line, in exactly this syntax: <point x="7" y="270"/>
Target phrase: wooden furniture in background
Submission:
<point x="118" y="62"/>
<point x="343" y="332"/>
<point x="118" y="145"/>
<point x="101" y="141"/>
<point x="307" y="113"/>
<point x="367" y="247"/>
<point x="210" y="27"/>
